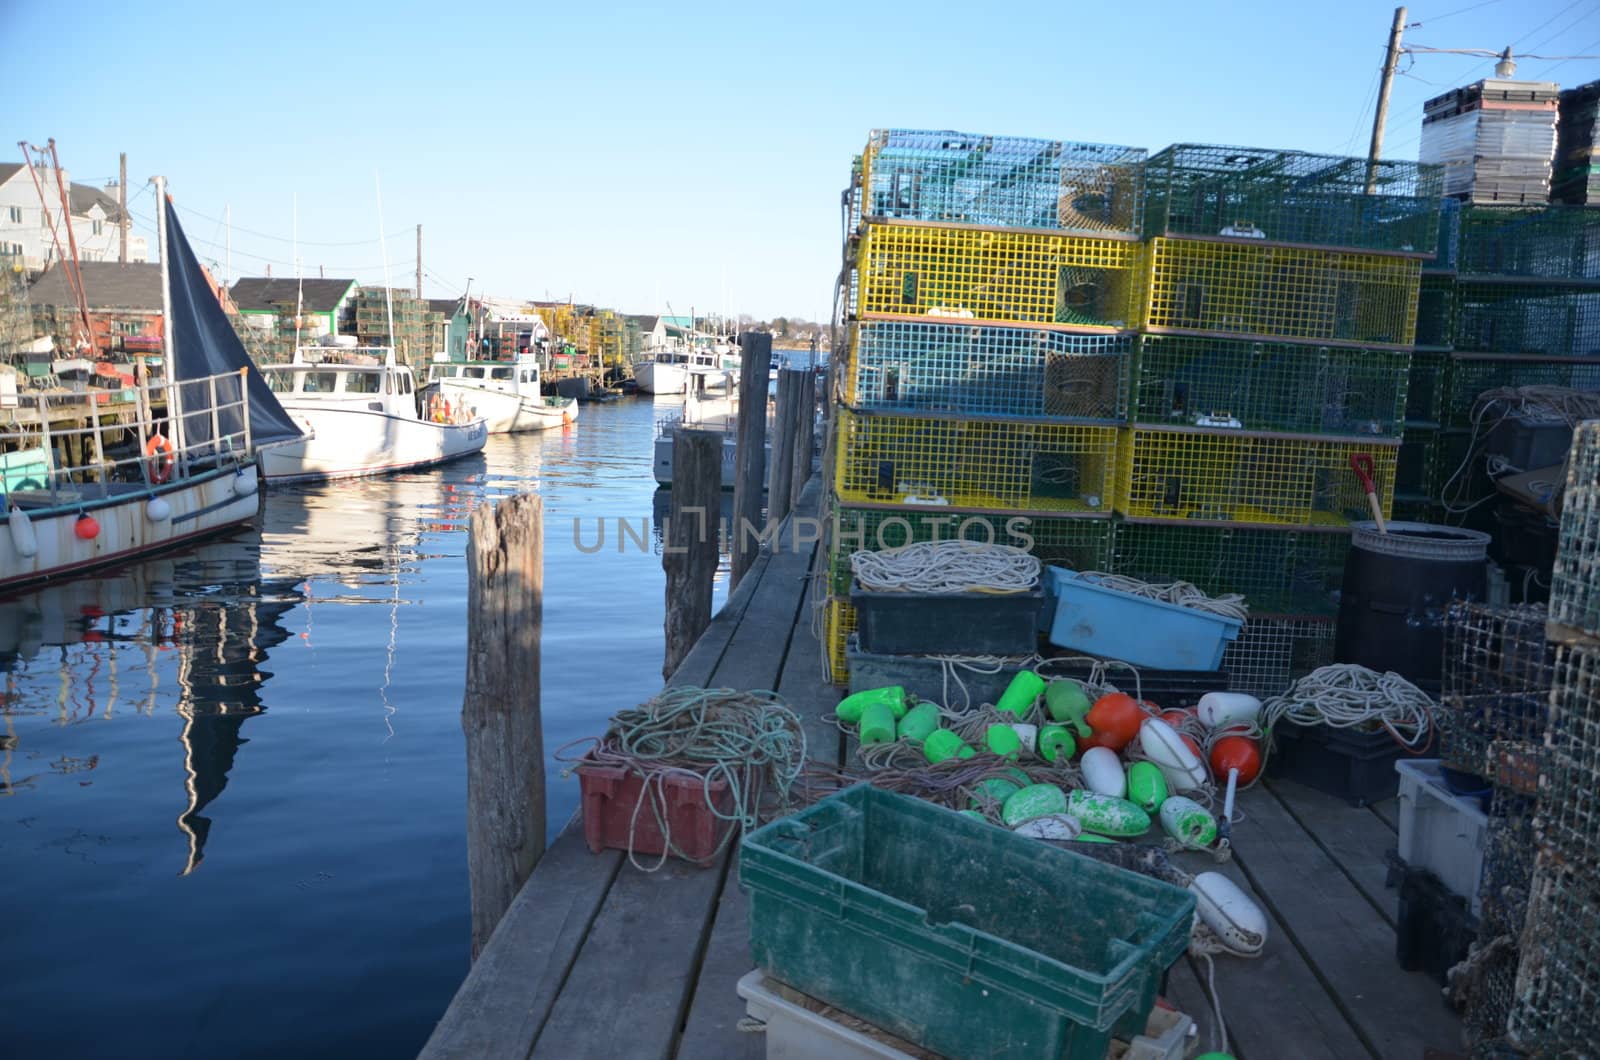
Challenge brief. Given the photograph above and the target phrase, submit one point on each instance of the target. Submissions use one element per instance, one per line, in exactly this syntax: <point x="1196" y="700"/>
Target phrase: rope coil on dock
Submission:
<point x="750" y="740"/>
<point x="952" y="566"/>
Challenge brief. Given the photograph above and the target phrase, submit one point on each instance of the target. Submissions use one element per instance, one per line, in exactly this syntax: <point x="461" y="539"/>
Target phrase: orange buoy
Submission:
<point x="87" y="528"/>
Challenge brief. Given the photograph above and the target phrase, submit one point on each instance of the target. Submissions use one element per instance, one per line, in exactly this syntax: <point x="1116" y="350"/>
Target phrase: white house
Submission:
<point x="24" y="233"/>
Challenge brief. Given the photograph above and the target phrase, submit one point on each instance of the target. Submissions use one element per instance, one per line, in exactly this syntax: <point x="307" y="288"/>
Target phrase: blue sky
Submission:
<point x="639" y="155"/>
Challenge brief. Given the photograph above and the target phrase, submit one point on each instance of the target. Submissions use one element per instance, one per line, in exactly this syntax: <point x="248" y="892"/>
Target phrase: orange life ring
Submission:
<point x="160" y="451"/>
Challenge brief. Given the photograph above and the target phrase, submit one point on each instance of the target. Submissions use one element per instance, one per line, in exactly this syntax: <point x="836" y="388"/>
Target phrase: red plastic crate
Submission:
<point x="610" y="794"/>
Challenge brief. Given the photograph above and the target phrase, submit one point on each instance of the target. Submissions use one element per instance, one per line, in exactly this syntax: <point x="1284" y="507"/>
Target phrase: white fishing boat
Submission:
<point x="712" y="369"/>
<point x="505" y="394"/>
<point x="720" y="415"/>
<point x="176" y="460"/>
<point x="360" y="408"/>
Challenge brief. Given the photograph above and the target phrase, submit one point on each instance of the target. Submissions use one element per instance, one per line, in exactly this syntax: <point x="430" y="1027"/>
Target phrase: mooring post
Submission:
<point x="500" y="712"/>
<point x="689" y="553"/>
<point x="782" y="467"/>
<point x="750" y="457"/>
<point x="804" y="436"/>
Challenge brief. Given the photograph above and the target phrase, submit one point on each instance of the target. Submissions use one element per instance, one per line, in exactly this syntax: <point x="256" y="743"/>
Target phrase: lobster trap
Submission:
<point x="1425" y="381"/>
<point x="1575" y="581"/>
<point x="966" y="462"/>
<point x="1273" y="651"/>
<point x="1227" y="287"/>
<point x="1548" y="242"/>
<point x="1078" y="544"/>
<point x="838" y="625"/>
<point x="1546" y="320"/>
<point x="1569" y="778"/>
<point x="1207" y="475"/>
<point x="1508" y="861"/>
<point x="997" y="274"/>
<point x="988" y="370"/>
<point x="1292" y="197"/>
<point x="1436" y="296"/>
<point x="1556" y="994"/>
<point x="1495" y="690"/>
<point x="963" y="178"/>
<point x="1275" y="570"/>
<point x="1471" y="374"/>
<point x="1269" y="386"/>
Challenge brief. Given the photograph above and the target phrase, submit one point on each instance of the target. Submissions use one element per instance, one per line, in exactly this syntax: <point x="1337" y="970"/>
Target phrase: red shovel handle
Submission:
<point x="1361" y="464"/>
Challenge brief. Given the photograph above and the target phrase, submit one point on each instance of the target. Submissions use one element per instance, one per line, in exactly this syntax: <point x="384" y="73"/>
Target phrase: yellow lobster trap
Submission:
<point x="997" y="274"/>
<point x="1288" y="292"/>
<point x="1198" y="475"/>
<point x="838" y="623"/>
<point x="972" y="462"/>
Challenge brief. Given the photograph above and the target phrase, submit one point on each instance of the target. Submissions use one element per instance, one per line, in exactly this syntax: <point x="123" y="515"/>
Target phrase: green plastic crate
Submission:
<point x="957" y="935"/>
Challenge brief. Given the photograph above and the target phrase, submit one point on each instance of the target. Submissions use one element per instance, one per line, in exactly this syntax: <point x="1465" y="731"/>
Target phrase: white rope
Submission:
<point x="1548" y="404"/>
<point x="946" y="567"/>
<point x="1348" y="696"/>
<point x="1183" y="594"/>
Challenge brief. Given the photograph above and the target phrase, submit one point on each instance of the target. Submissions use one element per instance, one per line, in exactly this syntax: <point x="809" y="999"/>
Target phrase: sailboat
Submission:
<point x="80" y="491"/>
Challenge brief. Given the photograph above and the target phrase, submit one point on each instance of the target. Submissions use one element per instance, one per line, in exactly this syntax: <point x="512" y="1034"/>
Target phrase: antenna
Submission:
<point x="388" y="292"/>
<point x="299" y="280"/>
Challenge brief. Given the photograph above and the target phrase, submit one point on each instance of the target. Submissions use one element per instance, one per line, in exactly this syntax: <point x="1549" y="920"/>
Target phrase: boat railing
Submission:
<point x="48" y="460"/>
<point x="351" y="356"/>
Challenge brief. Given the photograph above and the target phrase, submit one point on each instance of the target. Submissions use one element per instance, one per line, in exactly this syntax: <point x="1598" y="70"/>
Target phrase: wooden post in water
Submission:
<point x="782" y="437"/>
<point x="804" y="436"/>
<point x="689" y="554"/>
<point x="500" y="713"/>
<point x="750" y="457"/>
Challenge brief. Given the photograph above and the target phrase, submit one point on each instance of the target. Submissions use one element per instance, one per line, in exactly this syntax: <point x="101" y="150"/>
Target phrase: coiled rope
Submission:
<point x="1348" y="696"/>
<point x="952" y="566"/>
<point x="749" y="741"/>
<point x="1183" y="594"/>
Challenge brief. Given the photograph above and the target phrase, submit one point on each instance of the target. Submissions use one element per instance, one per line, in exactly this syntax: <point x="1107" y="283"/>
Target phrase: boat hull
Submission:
<point x="511" y="413"/>
<point x="662" y="464"/>
<point x="655" y="377"/>
<point x="352" y="443"/>
<point x="200" y="505"/>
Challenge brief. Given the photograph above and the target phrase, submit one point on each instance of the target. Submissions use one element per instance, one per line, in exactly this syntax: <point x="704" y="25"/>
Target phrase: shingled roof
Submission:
<point x="272" y="293"/>
<point x="107" y="284"/>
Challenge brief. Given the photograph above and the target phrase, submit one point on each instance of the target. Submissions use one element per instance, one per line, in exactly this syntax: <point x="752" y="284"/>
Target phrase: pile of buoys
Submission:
<point x="1139" y="766"/>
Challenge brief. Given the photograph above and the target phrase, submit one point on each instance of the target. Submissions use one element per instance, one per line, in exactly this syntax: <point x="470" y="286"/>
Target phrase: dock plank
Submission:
<point x="1354" y="837"/>
<point x="628" y="989"/>
<point x="502" y="1004"/>
<point x="1274" y="1005"/>
<point x="1388" y="811"/>
<point x="1397" y="1013"/>
<point x="712" y="1028"/>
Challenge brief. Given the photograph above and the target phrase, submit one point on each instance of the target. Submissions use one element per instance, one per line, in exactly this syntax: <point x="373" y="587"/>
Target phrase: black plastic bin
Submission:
<point x="1357" y="767"/>
<point x="947" y="623"/>
<point x="1434" y="928"/>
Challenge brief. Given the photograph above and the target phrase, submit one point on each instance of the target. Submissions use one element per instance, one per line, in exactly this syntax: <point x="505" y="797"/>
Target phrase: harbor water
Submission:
<point x="232" y="779"/>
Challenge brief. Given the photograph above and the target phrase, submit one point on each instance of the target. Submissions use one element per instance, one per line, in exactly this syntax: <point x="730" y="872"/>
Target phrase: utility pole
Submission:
<point x="419" y="262"/>
<point x="122" y="205"/>
<point x="1378" y="119"/>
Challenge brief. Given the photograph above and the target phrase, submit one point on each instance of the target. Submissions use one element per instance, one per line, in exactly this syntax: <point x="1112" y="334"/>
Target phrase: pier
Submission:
<point x="597" y="959"/>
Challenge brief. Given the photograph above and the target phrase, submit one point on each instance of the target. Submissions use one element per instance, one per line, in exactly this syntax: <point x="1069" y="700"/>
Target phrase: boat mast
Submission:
<point x="168" y="350"/>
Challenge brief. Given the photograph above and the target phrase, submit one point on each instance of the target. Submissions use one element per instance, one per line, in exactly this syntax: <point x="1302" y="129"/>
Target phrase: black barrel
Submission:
<point x="1397" y="588"/>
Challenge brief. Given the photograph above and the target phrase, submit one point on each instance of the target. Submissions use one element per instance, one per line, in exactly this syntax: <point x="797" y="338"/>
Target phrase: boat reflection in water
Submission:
<point x="208" y="606"/>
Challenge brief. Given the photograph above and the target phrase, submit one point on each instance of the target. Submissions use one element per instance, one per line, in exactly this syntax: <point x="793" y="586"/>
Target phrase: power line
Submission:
<point x="1453" y="14"/>
<point x="1545" y="72"/>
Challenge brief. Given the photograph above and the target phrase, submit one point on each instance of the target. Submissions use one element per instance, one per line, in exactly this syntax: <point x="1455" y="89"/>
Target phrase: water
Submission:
<point x="232" y="780"/>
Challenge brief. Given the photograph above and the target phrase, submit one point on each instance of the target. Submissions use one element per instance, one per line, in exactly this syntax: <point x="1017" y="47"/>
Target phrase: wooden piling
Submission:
<point x="749" y="462"/>
<point x="689" y="554"/>
<point x="804" y="436"/>
<point x="500" y="713"/>
<point x="782" y="470"/>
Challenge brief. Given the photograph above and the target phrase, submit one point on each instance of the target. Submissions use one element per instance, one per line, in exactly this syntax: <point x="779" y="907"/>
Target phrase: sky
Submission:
<point x="642" y="157"/>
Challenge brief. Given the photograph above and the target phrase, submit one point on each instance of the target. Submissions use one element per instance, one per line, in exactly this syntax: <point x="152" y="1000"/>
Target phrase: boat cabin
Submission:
<point x="379" y="387"/>
<point x="520" y="377"/>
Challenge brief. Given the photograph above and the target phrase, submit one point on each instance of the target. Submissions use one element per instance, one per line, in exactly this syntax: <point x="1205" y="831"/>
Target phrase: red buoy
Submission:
<point x="1236" y="752"/>
<point x="87" y="528"/>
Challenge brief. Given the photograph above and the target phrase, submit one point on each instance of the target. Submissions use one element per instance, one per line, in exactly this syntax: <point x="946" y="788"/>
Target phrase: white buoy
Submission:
<point x="243" y="485"/>
<point x="1163" y="746"/>
<point x="1027" y="734"/>
<point x="1228" y="911"/>
<point x="23" y="538"/>
<point x="1102" y="772"/>
<point x="1051" y="826"/>
<point x="158" y="510"/>
<point x="1220" y="709"/>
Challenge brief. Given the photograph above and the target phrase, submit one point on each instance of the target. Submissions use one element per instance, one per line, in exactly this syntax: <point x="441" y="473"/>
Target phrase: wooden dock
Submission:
<point x="597" y="959"/>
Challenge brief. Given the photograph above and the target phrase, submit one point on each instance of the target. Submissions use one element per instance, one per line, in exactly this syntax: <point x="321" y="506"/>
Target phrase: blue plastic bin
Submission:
<point x="1116" y="625"/>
